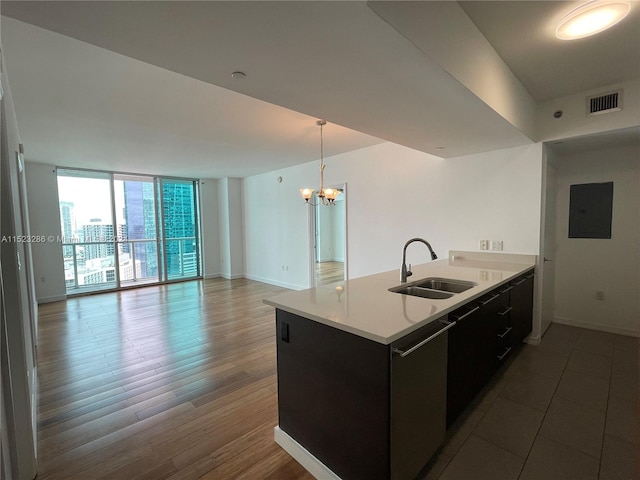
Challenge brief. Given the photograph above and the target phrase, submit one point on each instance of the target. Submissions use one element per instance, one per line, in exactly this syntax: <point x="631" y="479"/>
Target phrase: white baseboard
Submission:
<point x="593" y="326"/>
<point x="533" y="340"/>
<point x="232" y="277"/>
<point x="270" y="281"/>
<point x="56" y="298"/>
<point x="277" y="283"/>
<point x="314" y="466"/>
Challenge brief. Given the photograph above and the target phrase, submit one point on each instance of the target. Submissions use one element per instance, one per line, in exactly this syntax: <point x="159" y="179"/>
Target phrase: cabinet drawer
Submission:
<point x="503" y="318"/>
<point x="503" y="353"/>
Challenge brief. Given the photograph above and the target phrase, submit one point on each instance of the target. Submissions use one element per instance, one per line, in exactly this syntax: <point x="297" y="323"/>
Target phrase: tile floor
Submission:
<point x="565" y="409"/>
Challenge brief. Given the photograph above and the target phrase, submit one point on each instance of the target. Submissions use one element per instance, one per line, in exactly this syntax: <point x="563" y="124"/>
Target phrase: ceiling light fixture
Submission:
<point x="326" y="196"/>
<point x="591" y="18"/>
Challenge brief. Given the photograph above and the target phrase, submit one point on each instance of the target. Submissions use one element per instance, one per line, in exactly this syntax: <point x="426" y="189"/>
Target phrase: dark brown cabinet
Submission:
<point x="364" y="409"/>
<point x="333" y="396"/>
<point x="486" y="333"/>
<point x="522" y="303"/>
<point x="489" y="347"/>
<point x="372" y="411"/>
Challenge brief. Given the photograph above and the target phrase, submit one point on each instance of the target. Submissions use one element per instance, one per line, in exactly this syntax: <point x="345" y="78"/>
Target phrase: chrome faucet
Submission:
<point x="406" y="272"/>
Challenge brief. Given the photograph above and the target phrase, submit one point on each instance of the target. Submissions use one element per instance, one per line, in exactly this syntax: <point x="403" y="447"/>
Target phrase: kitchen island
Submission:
<point x="363" y="374"/>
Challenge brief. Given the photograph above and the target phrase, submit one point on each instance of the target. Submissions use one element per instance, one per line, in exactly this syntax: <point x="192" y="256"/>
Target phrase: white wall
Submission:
<point x="44" y="216"/>
<point x="585" y="266"/>
<point x="396" y="193"/>
<point x="276" y="226"/>
<point x="574" y="121"/>
<point x="231" y="227"/>
<point x="446" y="34"/>
<point x="209" y="220"/>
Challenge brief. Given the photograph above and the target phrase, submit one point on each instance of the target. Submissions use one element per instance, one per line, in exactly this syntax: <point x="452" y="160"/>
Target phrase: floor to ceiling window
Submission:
<point x="135" y="203"/>
<point x="122" y="230"/>
<point x="180" y="239"/>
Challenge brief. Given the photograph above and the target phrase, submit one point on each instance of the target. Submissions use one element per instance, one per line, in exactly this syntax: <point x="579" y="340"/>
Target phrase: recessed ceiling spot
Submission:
<point x="238" y="75"/>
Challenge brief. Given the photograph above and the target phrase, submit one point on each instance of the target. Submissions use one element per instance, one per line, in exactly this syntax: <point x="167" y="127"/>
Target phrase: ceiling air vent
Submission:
<point x="609" y="102"/>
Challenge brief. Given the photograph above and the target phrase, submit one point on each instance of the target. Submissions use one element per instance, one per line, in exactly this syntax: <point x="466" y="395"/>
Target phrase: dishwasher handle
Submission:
<point x="404" y="353"/>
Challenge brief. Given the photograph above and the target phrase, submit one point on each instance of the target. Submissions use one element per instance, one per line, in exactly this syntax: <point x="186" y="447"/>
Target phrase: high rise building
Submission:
<point x="180" y="228"/>
<point x="140" y="220"/>
<point x="102" y="234"/>
<point x="67" y="221"/>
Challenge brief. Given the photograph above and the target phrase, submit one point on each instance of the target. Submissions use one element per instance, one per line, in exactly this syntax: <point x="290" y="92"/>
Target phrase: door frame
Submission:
<point x="312" y="235"/>
<point x="545" y="271"/>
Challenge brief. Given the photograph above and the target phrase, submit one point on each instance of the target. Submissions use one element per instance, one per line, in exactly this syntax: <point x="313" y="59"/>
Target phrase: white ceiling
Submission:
<point x="146" y="87"/>
<point x="523" y="35"/>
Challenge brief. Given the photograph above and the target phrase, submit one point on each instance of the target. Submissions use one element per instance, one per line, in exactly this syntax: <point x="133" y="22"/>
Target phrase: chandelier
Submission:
<point x="326" y="196"/>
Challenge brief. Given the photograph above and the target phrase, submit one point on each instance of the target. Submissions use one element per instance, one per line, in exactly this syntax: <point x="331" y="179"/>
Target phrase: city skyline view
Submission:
<point x="149" y="242"/>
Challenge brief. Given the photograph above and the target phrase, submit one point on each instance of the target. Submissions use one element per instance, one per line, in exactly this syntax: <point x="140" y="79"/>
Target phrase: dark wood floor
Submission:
<point x="162" y="382"/>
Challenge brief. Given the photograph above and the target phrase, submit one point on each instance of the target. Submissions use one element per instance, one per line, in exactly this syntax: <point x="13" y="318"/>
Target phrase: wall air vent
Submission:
<point x="609" y="102"/>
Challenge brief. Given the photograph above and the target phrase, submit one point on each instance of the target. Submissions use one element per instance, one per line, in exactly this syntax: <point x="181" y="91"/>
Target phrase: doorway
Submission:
<point x="548" y="245"/>
<point x="329" y="252"/>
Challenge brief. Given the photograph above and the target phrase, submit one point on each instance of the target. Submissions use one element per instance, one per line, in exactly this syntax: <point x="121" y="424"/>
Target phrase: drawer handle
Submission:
<point x="531" y="276"/>
<point x="506" y="289"/>
<point x="425" y="341"/>
<point x="466" y="314"/>
<point x="506" y="352"/>
<point x="520" y="282"/>
<point x="491" y="299"/>
<point x="507" y="310"/>
<point x="507" y="330"/>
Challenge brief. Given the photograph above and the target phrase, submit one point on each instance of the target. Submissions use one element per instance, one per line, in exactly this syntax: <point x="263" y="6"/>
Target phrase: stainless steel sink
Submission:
<point x="421" y="292"/>
<point x="434" y="288"/>
<point x="445" y="284"/>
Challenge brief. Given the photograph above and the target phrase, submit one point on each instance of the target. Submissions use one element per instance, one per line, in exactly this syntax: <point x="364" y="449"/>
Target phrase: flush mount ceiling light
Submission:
<point x="591" y="18"/>
<point x="325" y="195"/>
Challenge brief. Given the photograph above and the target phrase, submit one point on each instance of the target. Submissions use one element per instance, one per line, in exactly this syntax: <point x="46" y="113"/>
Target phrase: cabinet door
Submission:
<point x="418" y="399"/>
<point x="488" y="345"/>
<point x="333" y="396"/>
<point x="522" y="307"/>
<point x="461" y="368"/>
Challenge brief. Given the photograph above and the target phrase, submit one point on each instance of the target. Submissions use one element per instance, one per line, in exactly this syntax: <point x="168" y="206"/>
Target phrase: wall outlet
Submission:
<point x="484" y="244"/>
<point x="496" y="245"/>
<point x="599" y="295"/>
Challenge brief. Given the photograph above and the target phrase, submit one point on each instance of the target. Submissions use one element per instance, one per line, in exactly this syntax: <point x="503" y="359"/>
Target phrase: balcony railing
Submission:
<point x="93" y="266"/>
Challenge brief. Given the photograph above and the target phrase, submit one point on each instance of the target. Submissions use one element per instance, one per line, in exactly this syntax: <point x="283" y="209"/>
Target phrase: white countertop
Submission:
<point x="365" y="306"/>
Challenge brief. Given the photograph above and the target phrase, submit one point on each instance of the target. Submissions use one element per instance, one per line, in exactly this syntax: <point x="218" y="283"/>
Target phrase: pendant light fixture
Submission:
<point x="326" y="196"/>
<point x="591" y="18"/>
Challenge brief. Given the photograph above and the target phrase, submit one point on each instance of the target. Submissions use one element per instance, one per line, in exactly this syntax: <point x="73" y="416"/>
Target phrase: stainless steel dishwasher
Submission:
<point x="418" y="398"/>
